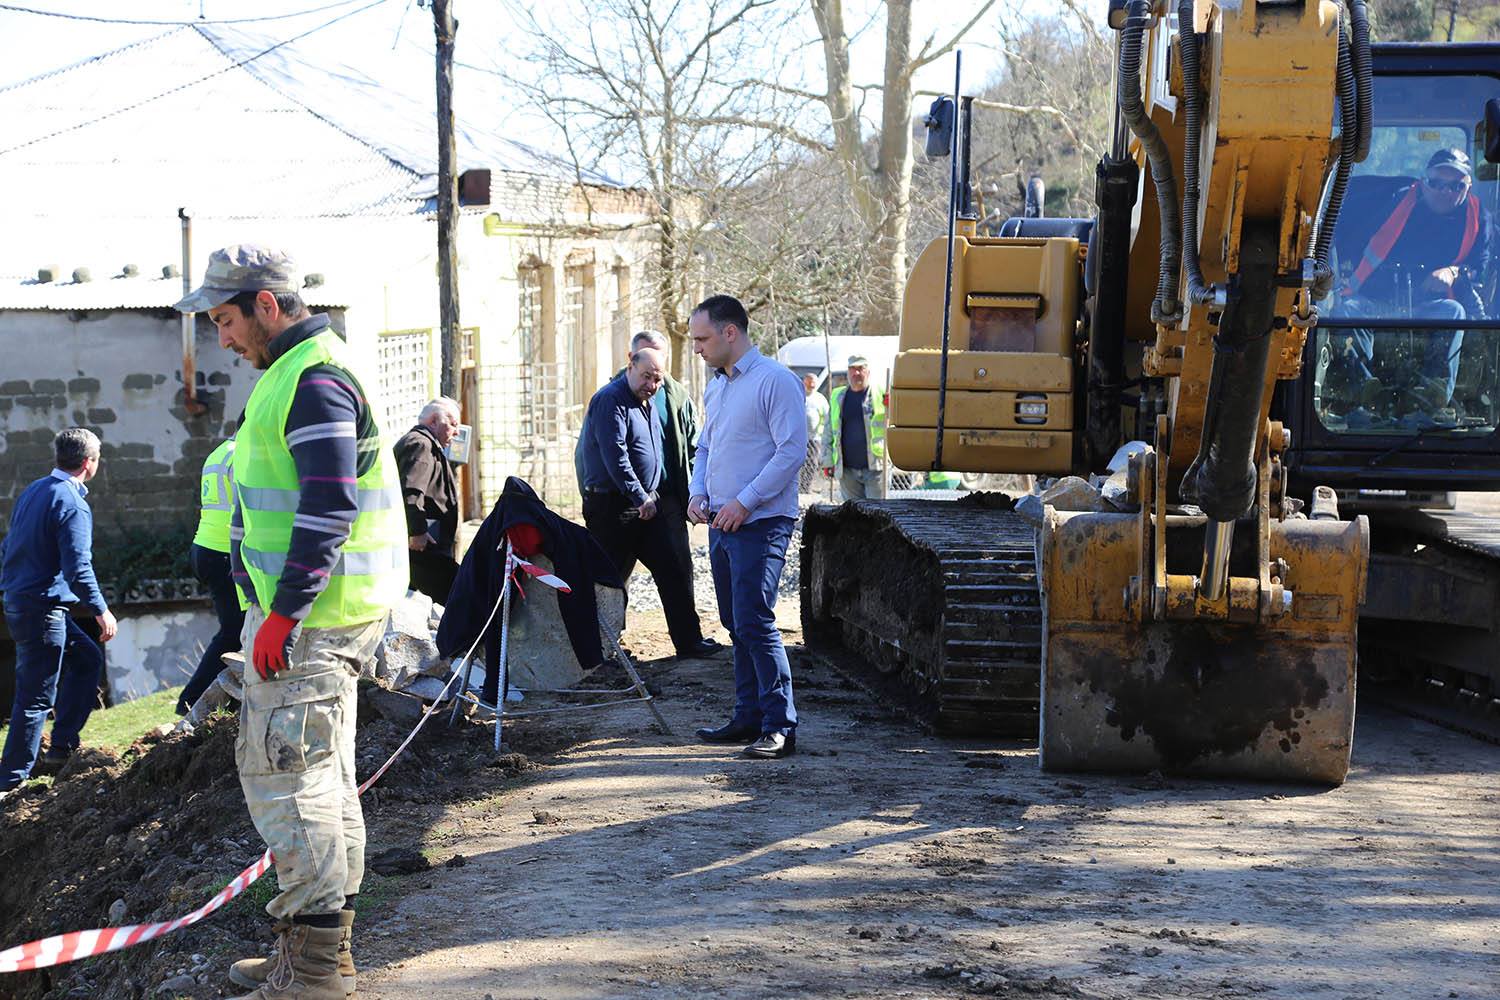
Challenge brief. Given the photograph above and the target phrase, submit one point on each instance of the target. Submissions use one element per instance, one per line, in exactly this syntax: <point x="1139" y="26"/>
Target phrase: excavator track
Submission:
<point x="1430" y="627"/>
<point x="939" y="597"/>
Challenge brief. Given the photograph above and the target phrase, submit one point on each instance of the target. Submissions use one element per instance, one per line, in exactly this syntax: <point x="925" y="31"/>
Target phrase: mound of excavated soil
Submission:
<point x="163" y="825"/>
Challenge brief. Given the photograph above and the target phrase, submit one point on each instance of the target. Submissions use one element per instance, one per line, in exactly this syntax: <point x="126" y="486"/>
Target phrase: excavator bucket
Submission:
<point x="1248" y="691"/>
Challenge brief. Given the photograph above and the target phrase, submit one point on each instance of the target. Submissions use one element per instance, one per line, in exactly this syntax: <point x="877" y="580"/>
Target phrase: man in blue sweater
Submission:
<point x="622" y="461"/>
<point x="46" y="566"/>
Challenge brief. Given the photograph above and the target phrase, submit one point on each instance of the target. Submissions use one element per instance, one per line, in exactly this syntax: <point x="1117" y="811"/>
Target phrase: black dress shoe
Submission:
<point x="773" y="746"/>
<point x="730" y="733"/>
<point x="703" y="647"/>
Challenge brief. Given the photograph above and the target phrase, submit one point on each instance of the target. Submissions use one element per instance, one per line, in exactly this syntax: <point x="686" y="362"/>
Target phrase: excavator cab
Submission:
<point x="1401" y="396"/>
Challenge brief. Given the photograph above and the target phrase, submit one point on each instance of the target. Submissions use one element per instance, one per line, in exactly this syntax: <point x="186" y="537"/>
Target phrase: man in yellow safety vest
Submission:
<point x="209" y="559"/>
<point x="854" y="437"/>
<point x="318" y="551"/>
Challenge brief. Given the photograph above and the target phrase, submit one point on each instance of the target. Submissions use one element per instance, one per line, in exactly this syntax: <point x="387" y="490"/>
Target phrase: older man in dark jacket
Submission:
<point x="633" y="483"/>
<point x="430" y="493"/>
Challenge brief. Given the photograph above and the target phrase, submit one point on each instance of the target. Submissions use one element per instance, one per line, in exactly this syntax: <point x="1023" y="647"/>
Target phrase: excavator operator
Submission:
<point x="1427" y="260"/>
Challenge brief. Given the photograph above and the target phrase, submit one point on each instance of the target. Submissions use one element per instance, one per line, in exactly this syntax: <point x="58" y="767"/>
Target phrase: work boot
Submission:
<point x="305" y="966"/>
<point x="252" y="972"/>
<point x="346" y="950"/>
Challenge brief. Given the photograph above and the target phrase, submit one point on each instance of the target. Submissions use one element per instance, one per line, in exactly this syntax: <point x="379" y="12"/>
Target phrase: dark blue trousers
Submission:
<point x="747" y="567"/>
<point x="212" y="570"/>
<point x="57" y="667"/>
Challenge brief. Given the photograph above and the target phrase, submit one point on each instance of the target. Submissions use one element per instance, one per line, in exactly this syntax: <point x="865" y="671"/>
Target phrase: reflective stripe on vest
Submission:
<point x="1385" y="237"/>
<point x="285" y="500"/>
<point x="350" y="563"/>
<point x="874" y="423"/>
<point x="216" y="498"/>
<point x="370" y="574"/>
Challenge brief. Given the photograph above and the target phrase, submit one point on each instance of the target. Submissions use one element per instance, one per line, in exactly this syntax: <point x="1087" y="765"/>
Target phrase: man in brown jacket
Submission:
<point x="431" y="497"/>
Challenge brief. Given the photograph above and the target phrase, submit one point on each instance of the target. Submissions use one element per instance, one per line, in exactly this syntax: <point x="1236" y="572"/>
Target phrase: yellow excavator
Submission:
<point x="1192" y="615"/>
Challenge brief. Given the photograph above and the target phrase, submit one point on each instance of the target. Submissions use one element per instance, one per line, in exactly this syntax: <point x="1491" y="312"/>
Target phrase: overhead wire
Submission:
<point x="191" y="83"/>
<point x="84" y="62"/>
<point x="203" y="21"/>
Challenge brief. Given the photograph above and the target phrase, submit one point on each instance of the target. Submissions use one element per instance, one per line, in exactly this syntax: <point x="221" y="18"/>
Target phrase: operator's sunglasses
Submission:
<point x="1451" y="186"/>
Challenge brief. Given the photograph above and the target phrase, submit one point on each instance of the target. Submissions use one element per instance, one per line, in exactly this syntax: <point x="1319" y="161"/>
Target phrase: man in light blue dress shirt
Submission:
<point x="752" y="445"/>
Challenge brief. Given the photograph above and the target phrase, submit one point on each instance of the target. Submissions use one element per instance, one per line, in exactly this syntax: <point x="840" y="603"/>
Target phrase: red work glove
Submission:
<point x="273" y="644"/>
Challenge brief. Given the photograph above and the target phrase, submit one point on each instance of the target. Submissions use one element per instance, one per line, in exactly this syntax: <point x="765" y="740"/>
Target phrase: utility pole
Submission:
<point x="444" y="28"/>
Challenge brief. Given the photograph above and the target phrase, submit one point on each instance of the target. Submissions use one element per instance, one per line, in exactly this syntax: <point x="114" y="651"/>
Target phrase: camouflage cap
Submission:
<point x="243" y="267"/>
<point x="856" y="360"/>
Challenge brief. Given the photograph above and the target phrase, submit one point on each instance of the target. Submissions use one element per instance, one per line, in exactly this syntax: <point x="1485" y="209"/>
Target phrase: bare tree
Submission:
<point x="1058" y="71"/>
<point x="1465" y="20"/>
<point x="811" y="259"/>
<point x="1045" y="113"/>
<point x="878" y="168"/>
<point x="652" y="91"/>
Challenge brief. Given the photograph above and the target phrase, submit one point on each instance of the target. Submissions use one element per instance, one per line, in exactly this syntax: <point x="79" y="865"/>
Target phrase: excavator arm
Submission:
<point x="1201" y="624"/>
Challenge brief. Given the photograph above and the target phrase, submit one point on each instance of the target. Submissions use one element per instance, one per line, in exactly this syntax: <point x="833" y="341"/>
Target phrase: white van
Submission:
<point x="811" y="356"/>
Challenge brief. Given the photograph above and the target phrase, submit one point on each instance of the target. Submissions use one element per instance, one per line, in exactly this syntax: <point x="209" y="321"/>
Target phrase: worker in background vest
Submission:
<point x="854" y="437"/>
<point x="1427" y="260"/>
<point x="318" y="552"/>
<point x="209" y="559"/>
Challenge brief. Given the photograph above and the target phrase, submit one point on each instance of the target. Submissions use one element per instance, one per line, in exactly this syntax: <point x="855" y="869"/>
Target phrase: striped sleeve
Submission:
<point x="327" y="431"/>
<point x="236" y="560"/>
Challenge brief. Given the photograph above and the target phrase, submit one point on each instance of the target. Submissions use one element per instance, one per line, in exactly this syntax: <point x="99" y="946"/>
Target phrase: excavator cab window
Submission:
<point x="1410" y="345"/>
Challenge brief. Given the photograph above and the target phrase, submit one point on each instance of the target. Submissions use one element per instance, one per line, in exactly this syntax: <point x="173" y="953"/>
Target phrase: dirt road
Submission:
<point x="884" y="862"/>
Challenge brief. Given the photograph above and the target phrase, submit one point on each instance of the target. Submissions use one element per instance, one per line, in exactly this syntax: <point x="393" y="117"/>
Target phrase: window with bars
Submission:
<point x="529" y="333"/>
<point x="529" y="322"/>
<point x="573" y="327"/>
<point x="405" y="358"/>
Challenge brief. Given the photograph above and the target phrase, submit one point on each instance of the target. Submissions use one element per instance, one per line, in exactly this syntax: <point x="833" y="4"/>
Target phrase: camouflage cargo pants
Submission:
<point x="295" y="754"/>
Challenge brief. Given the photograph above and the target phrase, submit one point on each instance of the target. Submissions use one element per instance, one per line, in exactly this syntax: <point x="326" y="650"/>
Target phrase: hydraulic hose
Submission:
<point x="1356" y="113"/>
<point x="1166" y="306"/>
<point x="1348" y="154"/>
<point x="1363" y="78"/>
<point x="1198" y="291"/>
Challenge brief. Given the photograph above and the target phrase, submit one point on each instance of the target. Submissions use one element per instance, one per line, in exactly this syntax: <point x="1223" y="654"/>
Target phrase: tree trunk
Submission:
<point x="882" y="192"/>
<point x="445" y="27"/>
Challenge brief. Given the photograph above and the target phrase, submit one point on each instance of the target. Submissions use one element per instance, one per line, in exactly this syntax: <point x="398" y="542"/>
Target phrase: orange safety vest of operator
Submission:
<point x="1386" y="236"/>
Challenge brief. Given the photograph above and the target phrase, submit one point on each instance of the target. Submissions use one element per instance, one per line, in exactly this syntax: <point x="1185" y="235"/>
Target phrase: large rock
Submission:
<point x="540" y="655"/>
<point x="407" y="651"/>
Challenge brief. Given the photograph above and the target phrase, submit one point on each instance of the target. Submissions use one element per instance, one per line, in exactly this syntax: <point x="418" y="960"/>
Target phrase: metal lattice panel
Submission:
<point x="405" y="359"/>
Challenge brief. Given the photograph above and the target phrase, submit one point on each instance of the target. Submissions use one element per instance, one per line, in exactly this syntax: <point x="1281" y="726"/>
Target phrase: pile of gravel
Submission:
<point x="641" y="588"/>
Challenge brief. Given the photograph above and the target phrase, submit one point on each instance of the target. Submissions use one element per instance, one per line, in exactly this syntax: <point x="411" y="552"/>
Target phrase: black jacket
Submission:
<point x="428" y="487"/>
<point x="576" y="556"/>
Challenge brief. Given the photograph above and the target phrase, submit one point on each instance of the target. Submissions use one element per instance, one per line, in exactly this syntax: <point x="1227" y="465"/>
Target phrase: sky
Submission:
<point x="396" y="36"/>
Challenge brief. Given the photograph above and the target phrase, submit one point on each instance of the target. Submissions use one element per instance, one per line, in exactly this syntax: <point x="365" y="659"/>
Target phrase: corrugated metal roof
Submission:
<point x="120" y="293"/>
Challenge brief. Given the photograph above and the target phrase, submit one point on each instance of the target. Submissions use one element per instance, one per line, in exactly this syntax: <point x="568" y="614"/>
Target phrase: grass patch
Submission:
<point x="116" y="728"/>
<point x="376" y="894"/>
<point x="252" y="902"/>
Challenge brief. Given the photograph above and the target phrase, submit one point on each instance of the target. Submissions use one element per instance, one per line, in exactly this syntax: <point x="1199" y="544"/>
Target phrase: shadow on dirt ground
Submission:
<point x="604" y="859"/>
<point x="881" y="861"/>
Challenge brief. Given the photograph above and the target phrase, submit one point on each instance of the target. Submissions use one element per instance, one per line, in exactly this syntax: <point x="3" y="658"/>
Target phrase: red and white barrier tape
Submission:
<point x="542" y="575"/>
<point x="63" y="948"/>
<point x="70" y="947"/>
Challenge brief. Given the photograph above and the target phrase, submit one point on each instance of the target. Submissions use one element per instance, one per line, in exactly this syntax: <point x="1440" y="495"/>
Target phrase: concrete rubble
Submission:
<point x="1098" y="493"/>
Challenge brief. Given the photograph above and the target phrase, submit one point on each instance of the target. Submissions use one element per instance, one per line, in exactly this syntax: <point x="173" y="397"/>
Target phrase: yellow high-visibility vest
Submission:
<point x="216" y="498"/>
<point x="371" y="573"/>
